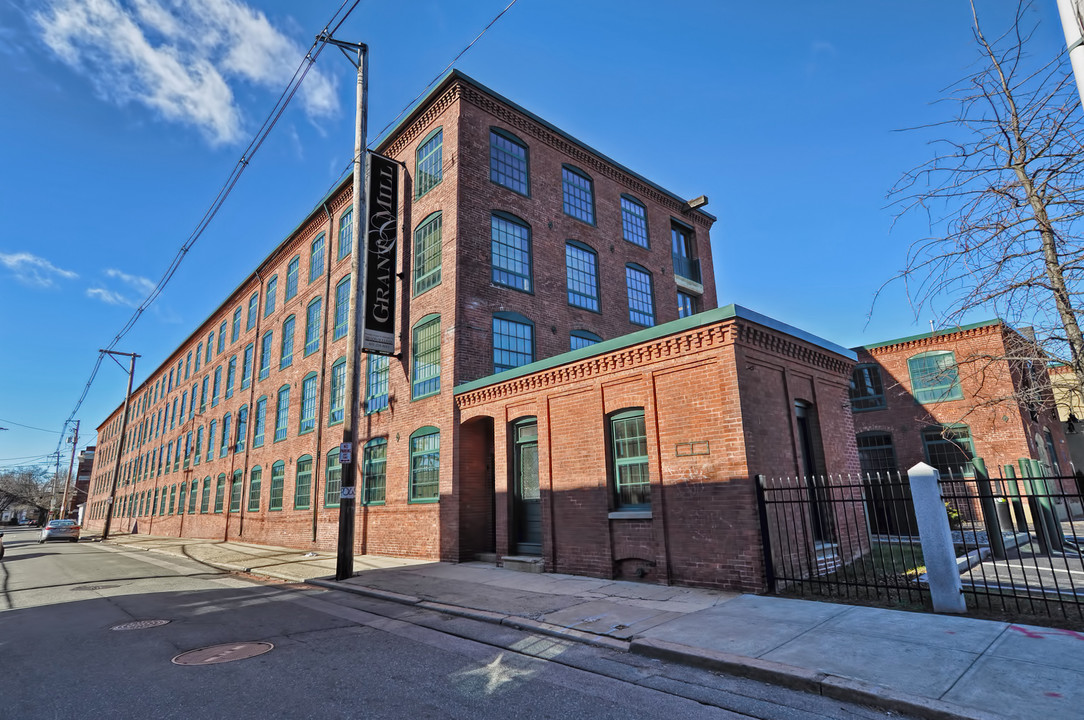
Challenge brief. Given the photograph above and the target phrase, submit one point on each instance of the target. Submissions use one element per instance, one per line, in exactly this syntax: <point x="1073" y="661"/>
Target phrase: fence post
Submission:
<point x="943" y="575"/>
<point x="1038" y="517"/>
<point x="765" y="534"/>
<point x="1020" y="519"/>
<point x="1050" y="515"/>
<point x="989" y="509"/>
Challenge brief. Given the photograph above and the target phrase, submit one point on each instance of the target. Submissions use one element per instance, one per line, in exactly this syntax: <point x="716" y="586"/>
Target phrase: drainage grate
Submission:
<point x="222" y="653"/>
<point x="140" y="625"/>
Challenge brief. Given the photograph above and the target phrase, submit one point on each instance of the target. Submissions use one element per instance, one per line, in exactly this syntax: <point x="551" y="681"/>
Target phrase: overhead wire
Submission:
<point x="253" y="147"/>
<point x="28" y="427"/>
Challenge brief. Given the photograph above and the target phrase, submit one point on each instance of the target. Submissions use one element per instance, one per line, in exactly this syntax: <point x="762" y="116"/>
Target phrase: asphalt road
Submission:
<point x="334" y="654"/>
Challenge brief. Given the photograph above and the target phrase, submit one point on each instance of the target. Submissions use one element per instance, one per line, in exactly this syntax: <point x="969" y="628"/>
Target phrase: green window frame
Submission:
<point x="246" y="366"/>
<point x="377" y="371"/>
<point x="342" y="309"/>
<point x="876" y="453"/>
<point x="172" y="498"/>
<point x="510" y="252"/>
<point x="269" y="295"/>
<point x="935" y="377"/>
<point x="303" y="483"/>
<point x="337" y="403"/>
<point x="425" y="357"/>
<point x="641" y="296"/>
<point x="216" y="386"/>
<point x="333" y="480"/>
<point x="427" y="253"/>
<point x="205" y="499"/>
<point x="286" y="345"/>
<point x="199" y="356"/>
<point x="282" y="413"/>
<point x="222" y="335"/>
<point x="346" y="233"/>
<point x="629" y="460"/>
<point x="312" y="325"/>
<point x="182" y="490"/>
<point x="578" y="194"/>
<point x="582" y="338"/>
<point x="224" y="443"/>
<point x="581" y="275"/>
<point x="242" y="429"/>
<point x="198" y="452"/>
<point x="867" y="389"/>
<point x="278" y="480"/>
<point x="253" y="310"/>
<point x="316" y="258"/>
<point x="428" y="165"/>
<point x="193" y="490"/>
<point x="210" y="347"/>
<point x="374" y="471"/>
<point x="509" y="161"/>
<point x="231" y="376"/>
<point x="187" y="364"/>
<point x="236" y="489"/>
<point x="220" y="493"/>
<point x="950" y="449"/>
<point x="266" y="343"/>
<point x="634" y="221"/>
<point x="255" y="479"/>
<point x="513" y="341"/>
<point x="292" y="270"/>
<point x="259" y="422"/>
<point x="687" y="304"/>
<point x="212" y="430"/>
<point x="187" y="449"/>
<point x="236" y="331"/>
<point x="307" y="419"/>
<point x="203" y="395"/>
<point x="425" y="465"/>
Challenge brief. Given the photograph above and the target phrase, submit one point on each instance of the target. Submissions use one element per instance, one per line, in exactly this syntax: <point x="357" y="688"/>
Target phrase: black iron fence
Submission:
<point x="1018" y="538"/>
<point x="847" y="537"/>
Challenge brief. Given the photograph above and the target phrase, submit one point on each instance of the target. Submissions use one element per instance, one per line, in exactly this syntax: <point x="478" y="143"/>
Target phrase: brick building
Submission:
<point x="84" y="469"/>
<point x="943" y="398"/>
<point x="519" y="245"/>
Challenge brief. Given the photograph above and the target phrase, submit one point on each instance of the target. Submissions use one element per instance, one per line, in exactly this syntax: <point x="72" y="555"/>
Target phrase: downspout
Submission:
<point x="318" y="454"/>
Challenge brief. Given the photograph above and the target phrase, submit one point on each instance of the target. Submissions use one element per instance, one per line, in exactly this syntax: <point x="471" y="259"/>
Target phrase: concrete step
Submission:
<point x="486" y="557"/>
<point x="522" y="563"/>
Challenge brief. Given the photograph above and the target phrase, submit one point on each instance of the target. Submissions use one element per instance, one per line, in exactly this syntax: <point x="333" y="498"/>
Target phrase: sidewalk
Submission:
<point x="933" y="666"/>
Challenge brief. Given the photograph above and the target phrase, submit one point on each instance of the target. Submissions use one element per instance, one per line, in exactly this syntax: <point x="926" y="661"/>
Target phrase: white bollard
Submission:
<point x="936" y="537"/>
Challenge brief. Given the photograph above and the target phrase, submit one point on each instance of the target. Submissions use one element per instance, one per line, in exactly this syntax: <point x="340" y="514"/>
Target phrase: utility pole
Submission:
<point x="71" y="467"/>
<point x="344" y="565"/>
<point x="52" y="492"/>
<point x="1072" y="23"/>
<point x="120" y="441"/>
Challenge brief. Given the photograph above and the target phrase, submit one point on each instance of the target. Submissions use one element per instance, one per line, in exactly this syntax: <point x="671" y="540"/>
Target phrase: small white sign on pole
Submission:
<point x="346" y="452"/>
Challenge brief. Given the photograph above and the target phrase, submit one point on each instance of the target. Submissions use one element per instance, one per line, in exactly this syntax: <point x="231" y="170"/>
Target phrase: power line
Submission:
<point x="28" y="427"/>
<point x="224" y="192"/>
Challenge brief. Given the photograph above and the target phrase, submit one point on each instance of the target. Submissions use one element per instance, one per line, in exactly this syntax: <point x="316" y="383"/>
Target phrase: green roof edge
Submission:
<point x="674" y="327"/>
<point x="935" y="333"/>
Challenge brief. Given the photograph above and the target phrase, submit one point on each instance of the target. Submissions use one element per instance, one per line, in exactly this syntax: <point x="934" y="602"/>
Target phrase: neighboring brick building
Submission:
<point x="82" y="481"/>
<point x="945" y="397"/>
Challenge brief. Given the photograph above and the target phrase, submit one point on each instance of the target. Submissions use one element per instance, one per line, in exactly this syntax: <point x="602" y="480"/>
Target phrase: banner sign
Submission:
<point x="381" y="223"/>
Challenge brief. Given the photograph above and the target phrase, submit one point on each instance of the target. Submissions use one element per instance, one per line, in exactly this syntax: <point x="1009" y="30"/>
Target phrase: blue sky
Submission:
<point x="123" y="117"/>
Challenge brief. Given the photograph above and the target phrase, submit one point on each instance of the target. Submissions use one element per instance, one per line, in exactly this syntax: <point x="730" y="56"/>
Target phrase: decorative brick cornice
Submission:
<point x="936" y="340"/>
<point x="581" y="156"/>
<point x="682" y="344"/>
<point x="778" y="344"/>
<point x="407" y="135"/>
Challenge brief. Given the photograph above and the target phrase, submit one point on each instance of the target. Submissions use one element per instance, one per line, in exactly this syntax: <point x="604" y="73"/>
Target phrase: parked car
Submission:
<point x="60" y="530"/>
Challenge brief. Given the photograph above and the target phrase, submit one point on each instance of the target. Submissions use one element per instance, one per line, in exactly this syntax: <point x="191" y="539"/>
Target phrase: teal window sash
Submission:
<point x="429" y="162"/>
<point x="303" y="483"/>
<point x="425" y="466"/>
<point x="427" y="254"/>
<point x="425" y="370"/>
<point x="628" y="437"/>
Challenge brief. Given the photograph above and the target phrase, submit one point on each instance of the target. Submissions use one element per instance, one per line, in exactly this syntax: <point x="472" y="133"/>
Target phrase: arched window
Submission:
<point x="425" y="465"/>
<point x="303" y="483"/>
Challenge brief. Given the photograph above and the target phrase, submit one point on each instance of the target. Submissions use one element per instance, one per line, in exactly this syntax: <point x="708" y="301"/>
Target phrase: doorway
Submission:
<point x="526" y="495"/>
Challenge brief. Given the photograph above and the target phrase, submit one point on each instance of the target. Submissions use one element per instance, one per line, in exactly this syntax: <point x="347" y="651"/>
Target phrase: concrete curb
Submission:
<point x="798" y="678"/>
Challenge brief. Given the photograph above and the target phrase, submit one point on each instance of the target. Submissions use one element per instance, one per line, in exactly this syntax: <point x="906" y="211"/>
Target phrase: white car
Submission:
<point x="60" y="530"/>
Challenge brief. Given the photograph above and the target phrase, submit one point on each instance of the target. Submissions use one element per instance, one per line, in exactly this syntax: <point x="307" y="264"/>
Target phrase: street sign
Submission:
<point x="346" y="452"/>
<point x="346" y="493"/>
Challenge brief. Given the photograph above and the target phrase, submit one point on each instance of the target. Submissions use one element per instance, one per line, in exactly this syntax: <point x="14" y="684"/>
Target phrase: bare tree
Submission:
<point x="1004" y="196"/>
<point x="26" y="486"/>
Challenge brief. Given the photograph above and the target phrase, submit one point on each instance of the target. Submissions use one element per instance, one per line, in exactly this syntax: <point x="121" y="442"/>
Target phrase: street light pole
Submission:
<point x="344" y="564"/>
<point x="1072" y="24"/>
<point x="120" y="442"/>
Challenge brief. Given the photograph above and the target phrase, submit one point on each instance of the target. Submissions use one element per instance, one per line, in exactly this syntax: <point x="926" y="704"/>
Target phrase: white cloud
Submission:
<point x="138" y="286"/>
<point x="180" y="57"/>
<point x="33" y="270"/>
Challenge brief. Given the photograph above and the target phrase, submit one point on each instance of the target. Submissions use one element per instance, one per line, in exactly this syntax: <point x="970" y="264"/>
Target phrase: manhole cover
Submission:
<point x="222" y="653"/>
<point x="92" y="588"/>
<point x="140" y="625"/>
